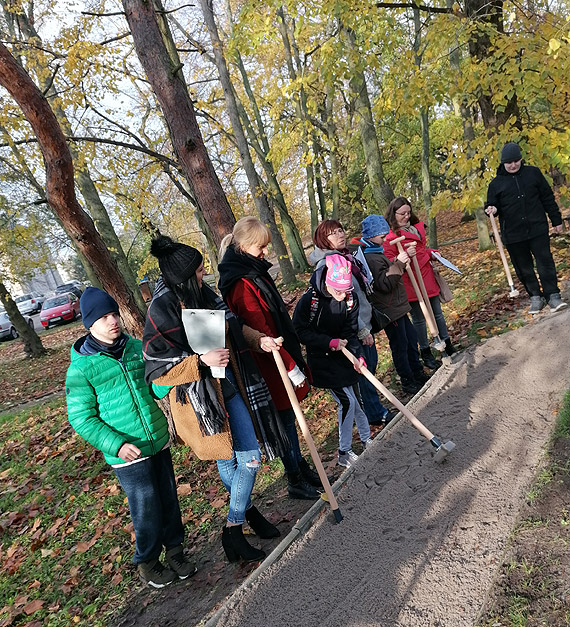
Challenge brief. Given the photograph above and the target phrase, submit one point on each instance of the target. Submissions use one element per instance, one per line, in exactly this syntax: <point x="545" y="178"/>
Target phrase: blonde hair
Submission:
<point x="248" y="231"/>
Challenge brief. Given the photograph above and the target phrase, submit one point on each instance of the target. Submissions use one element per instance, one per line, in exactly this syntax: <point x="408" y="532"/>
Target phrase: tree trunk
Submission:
<point x="176" y="104"/>
<point x="301" y="109"/>
<point x="298" y="258"/>
<point x="262" y="149"/>
<point x="424" y="125"/>
<point x="333" y="155"/>
<point x="381" y="190"/>
<point x="258" y="194"/>
<point x="33" y="346"/>
<point x="489" y="14"/>
<point x="83" y="178"/>
<point x="60" y="186"/>
<point x="469" y="136"/>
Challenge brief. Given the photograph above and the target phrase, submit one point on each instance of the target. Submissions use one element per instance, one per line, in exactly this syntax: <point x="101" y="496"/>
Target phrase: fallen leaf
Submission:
<point x="33" y="606"/>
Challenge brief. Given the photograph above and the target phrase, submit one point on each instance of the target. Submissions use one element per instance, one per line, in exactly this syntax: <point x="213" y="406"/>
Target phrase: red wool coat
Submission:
<point x="423" y="255"/>
<point x="245" y="300"/>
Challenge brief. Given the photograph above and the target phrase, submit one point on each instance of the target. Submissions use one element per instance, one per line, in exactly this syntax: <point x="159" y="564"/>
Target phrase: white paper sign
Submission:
<point x="446" y="262"/>
<point x="206" y="331"/>
<point x="359" y="254"/>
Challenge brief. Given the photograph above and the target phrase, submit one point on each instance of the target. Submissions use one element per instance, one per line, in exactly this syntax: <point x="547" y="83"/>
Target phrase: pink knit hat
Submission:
<point x="339" y="273"/>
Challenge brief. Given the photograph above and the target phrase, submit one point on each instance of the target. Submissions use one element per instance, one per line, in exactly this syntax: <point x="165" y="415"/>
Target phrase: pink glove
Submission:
<point x="360" y="364"/>
<point x="333" y="344"/>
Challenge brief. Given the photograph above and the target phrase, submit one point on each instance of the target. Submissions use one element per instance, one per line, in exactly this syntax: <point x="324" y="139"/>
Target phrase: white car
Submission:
<point x="7" y="329"/>
<point x="30" y="303"/>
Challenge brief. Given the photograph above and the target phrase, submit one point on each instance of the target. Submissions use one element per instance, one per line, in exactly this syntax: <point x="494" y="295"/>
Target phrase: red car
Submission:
<point x="59" y="309"/>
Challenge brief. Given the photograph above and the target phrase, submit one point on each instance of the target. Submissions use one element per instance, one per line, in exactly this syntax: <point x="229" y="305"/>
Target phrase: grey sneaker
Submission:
<point x="536" y="304"/>
<point x="367" y="442"/>
<point x="177" y="561"/>
<point x="347" y="458"/>
<point x="155" y="574"/>
<point x="556" y="303"/>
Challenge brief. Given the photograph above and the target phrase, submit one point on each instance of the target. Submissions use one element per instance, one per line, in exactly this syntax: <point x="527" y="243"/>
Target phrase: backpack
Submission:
<point x="350" y="303"/>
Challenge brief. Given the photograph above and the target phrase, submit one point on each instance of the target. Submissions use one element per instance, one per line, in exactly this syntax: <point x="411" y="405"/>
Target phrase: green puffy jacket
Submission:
<point x="109" y="403"/>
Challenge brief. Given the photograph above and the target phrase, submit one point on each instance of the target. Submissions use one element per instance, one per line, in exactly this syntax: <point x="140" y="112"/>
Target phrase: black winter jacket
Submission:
<point x="523" y="199"/>
<point x="318" y="319"/>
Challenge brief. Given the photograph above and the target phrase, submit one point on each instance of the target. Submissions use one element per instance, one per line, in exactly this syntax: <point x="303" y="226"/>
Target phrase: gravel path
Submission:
<point x="420" y="542"/>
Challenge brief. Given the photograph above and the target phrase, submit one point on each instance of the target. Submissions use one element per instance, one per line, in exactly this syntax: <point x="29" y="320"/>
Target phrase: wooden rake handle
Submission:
<point x="425" y="305"/>
<point x="307" y="434"/>
<point x="501" y="251"/>
<point x="387" y="394"/>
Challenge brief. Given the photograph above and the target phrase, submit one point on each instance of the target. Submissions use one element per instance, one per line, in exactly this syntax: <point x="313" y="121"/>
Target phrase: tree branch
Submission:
<point x="412" y="5"/>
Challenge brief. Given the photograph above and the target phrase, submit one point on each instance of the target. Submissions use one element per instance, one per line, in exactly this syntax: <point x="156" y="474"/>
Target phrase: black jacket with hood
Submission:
<point x="318" y="319"/>
<point x="523" y="200"/>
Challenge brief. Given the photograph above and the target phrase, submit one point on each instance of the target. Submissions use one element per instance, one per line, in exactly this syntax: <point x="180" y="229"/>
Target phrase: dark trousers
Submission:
<point x="404" y="346"/>
<point x="373" y="408"/>
<point x="151" y="491"/>
<point x="522" y="254"/>
<point x="293" y="456"/>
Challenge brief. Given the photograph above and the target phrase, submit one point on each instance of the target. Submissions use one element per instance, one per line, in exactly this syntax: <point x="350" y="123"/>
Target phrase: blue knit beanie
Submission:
<point x="374" y="225"/>
<point x="510" y="152"/>
<point x="95" y="304"/>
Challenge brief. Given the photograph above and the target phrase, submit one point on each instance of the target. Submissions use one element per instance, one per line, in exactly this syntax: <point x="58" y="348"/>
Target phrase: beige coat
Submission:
<point x="205" y="447"/>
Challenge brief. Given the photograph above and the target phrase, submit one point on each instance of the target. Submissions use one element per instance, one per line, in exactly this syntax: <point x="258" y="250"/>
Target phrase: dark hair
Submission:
<point x="322" y="232"/>
<point x="390" y="214"/>
<point x="192" y="296"/>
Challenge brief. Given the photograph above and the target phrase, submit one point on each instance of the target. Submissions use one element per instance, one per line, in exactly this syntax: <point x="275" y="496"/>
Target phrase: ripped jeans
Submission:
<point x="238" y="473"/>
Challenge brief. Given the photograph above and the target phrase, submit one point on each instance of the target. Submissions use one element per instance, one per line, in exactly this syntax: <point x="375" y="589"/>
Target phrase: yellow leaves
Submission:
<point x="553" y="45"/>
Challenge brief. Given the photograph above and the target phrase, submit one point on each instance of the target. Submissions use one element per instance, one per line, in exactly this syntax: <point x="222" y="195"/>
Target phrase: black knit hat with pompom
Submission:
<point x="177" y="262"/>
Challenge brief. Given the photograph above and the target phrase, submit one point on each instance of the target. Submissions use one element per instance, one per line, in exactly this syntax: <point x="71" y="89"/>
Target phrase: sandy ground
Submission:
<point x="420" y="542"/>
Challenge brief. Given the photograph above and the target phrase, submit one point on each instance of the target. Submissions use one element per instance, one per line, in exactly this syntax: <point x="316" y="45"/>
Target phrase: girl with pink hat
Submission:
<point x="326" y="321"/>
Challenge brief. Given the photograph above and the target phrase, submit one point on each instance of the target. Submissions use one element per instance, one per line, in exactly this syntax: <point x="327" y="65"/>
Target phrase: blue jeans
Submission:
<point x="373" y="408"/>
<point x="238" y="473"/>
<point x="293" y="456"/>
<point x="151" y="491"/>
<point x="420" y="322"/>
<point x="404" y="346"/>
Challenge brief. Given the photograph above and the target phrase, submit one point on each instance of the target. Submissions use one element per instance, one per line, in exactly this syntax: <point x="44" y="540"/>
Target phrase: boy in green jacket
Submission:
<point x="110" y="406"/>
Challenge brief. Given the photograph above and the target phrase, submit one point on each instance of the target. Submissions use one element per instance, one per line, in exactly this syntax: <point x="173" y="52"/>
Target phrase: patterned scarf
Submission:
<point x="165" y="345"/>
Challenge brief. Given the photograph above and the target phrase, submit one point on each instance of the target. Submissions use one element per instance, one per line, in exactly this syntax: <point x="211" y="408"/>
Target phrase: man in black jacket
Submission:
<point x="522" y="198"/>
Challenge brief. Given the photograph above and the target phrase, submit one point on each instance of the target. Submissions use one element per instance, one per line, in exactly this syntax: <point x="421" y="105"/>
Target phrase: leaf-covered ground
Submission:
<point x="65" y="532"/>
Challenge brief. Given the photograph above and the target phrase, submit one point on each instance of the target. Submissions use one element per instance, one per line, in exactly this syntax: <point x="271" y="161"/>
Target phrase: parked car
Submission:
<point x="7" y="329"/>
<point x="30" y="303"/>
<point x="73" y="286"/>
<point x="59" y="309"/>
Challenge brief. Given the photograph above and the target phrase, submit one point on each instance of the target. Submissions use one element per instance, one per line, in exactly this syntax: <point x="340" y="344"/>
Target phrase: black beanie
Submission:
<point x="510" y="152"/>
<point x="177" y="262"/>
<point x="95" y="304"/>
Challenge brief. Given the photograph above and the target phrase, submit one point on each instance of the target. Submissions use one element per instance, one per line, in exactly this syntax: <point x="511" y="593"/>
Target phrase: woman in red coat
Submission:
<point x="249" y="291"/>
<point x="403" y="221"/>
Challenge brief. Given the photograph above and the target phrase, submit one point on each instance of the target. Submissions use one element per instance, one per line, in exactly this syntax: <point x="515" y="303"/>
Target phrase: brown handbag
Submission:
<point x="445" y="293"/>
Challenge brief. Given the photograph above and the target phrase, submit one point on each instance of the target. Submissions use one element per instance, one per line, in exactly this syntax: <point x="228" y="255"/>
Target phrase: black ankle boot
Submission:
<point x="421" y="377"/>
<point x="237" y="547"/>
<point x="449" y="348"/>
<point x="298" y="488"/>
<point x="262" y="527"/>
<point x="309" y="475"/>
<point x="410" y="386"/>
<point x="428" y="358"/>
